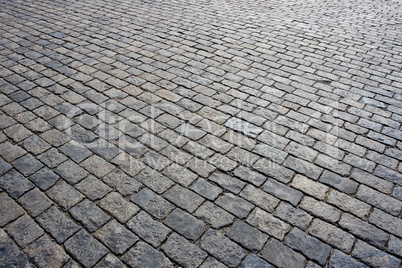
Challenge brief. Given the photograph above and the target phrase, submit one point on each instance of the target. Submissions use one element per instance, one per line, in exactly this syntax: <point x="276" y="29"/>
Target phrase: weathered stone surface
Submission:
<point x="259" y="198"/>
<point x="184" y="198"/>
<point x="235" y="205"/>
<point x="24" y="231"/>
<point x="143" y="255"/>
<point x="64" y="195"/>
<point x="15" y="184"/>
<point x="185" y="224"/>
<point x="373" y="256"/>
<point x="152" y="203"/>
<point x="35" y="202"/>
<point x="282" y="256"/>
<point x="148" y="229"/>
<point x="9" y="210"/>
<point x="340" y="259"/>
<point x="71" y="172"/>
<point x="282" y="191"/>
<point x="57" y="224"/>
<point x="332" y="235"/>
<point x="320" y="209"/>
<point x="126" y="185"/>
<point x="183" y="252"/>
<point x="206" y="189"/>
<point x="93" y="188"/>
<point x="86" y="249"/>
<point x="116" y="205"/>
<point x="89" y="214"/>
<point x="213" y="215"/>
<point x="248" y="236"/>
<point x="294" y="216"/>
<point x="310" y="246"/>
<point x="45" y="253"/>
<point x="27" y="164"/>
<point x="44" y="178"/>
<point x="222" y="248"/>
<point x="363" y="229"/>
<point x="110" y="260"/>
<point x="116" y="237"/>
<point x="268" y="223"/>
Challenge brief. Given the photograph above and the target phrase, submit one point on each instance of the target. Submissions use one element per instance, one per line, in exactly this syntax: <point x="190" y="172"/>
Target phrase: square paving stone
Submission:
<point x="183" y="252"/>
<point x="143" y="255"/>
<point x="45" y="253"/>
<point x="222" y="248"/>
<point x="90" y="215"/>
<point x="57" y="224"/>
<point x="148" y="229"/>
<point x="116" y="205"/>
<point x="52" y="158"/>
<point x="185" y="224"/>
<point x="15" y="184"/>
<point x="24" y="231"/>
<point x="267" y="223"/>
<point x="93" y="188"/>
<point x="71" y="172"/>
<point x="97" y="166"/>
<point x="116" y="237"/>
<point x="184" y="198"/>
<point x="17" y="133"/>
<point x="213" y="215"/>
<point x="152" y="203"/>
<point x="55" y="137"/>
<point x="248" y="236"/>
<point x="44" y="178"/>
<point x="86" y="249"/>
<point x="35" y="202"/>
<point x="35" y="145"/>
<point x="76" y="151"/>
<point x="27" y="164"/>
<point x="64" y="195"/>
<point x="123" y="183"/>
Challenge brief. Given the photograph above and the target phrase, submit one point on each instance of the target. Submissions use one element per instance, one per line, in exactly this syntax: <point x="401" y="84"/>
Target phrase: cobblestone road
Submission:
<point x="149" y="133"/>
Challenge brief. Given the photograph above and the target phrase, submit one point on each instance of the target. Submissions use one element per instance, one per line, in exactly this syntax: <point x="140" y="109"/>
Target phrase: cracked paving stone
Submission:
<point x="98" y="166"/>
<point x="24" y="231"/>
<point x="213" y="215"/>
<point x="152" y="203"/>
<point x="222" y="248"/>
<point x="27" y="164"/>
<point x="183" y="252"/>
<point x="151" y="231"/>
<point x="269" y="224"/>
<point x="206" y="189"/>
<point x="184" y="198"/>
<point x="93" y="188"/>
<point x="235" y="205"/>
<point x="11" y="256"/>
<point x="89" y="214"/>
<point x="45" y="253"/>
<point x="86" y="249"/>
<point x="109" y="261"/>
<point x="311" y="247"/>
<point x="280" y="255"/>
<point x="76" y="151"/>
<point x="123" y="183"/>
<point x="64" y="195"/>
<point x="185" y="224"/>
<point x="52" y="158"/>
<point x="116" y="205"/>
<point x="15" y="184"/>
<point x="253" y="261"/>
<point x="44" y="178"/>
<point x="35" y="202"/>
<point x="143" y="255"/>
<point x="57" y="224"/>
<point x="248" y="236"/>
<point x="71" y="172"/>
<point x="116" y="237"/>
<point x="9" y="209"/>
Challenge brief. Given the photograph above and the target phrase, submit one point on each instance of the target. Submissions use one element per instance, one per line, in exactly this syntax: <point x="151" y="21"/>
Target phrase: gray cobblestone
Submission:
<point x="280" y="255"/>
<point x="373" y="256"/>
<point x="143" y="255"/>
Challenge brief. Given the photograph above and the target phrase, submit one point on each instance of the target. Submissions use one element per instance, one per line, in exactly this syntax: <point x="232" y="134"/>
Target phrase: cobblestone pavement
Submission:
<point x="149" y="133"/>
